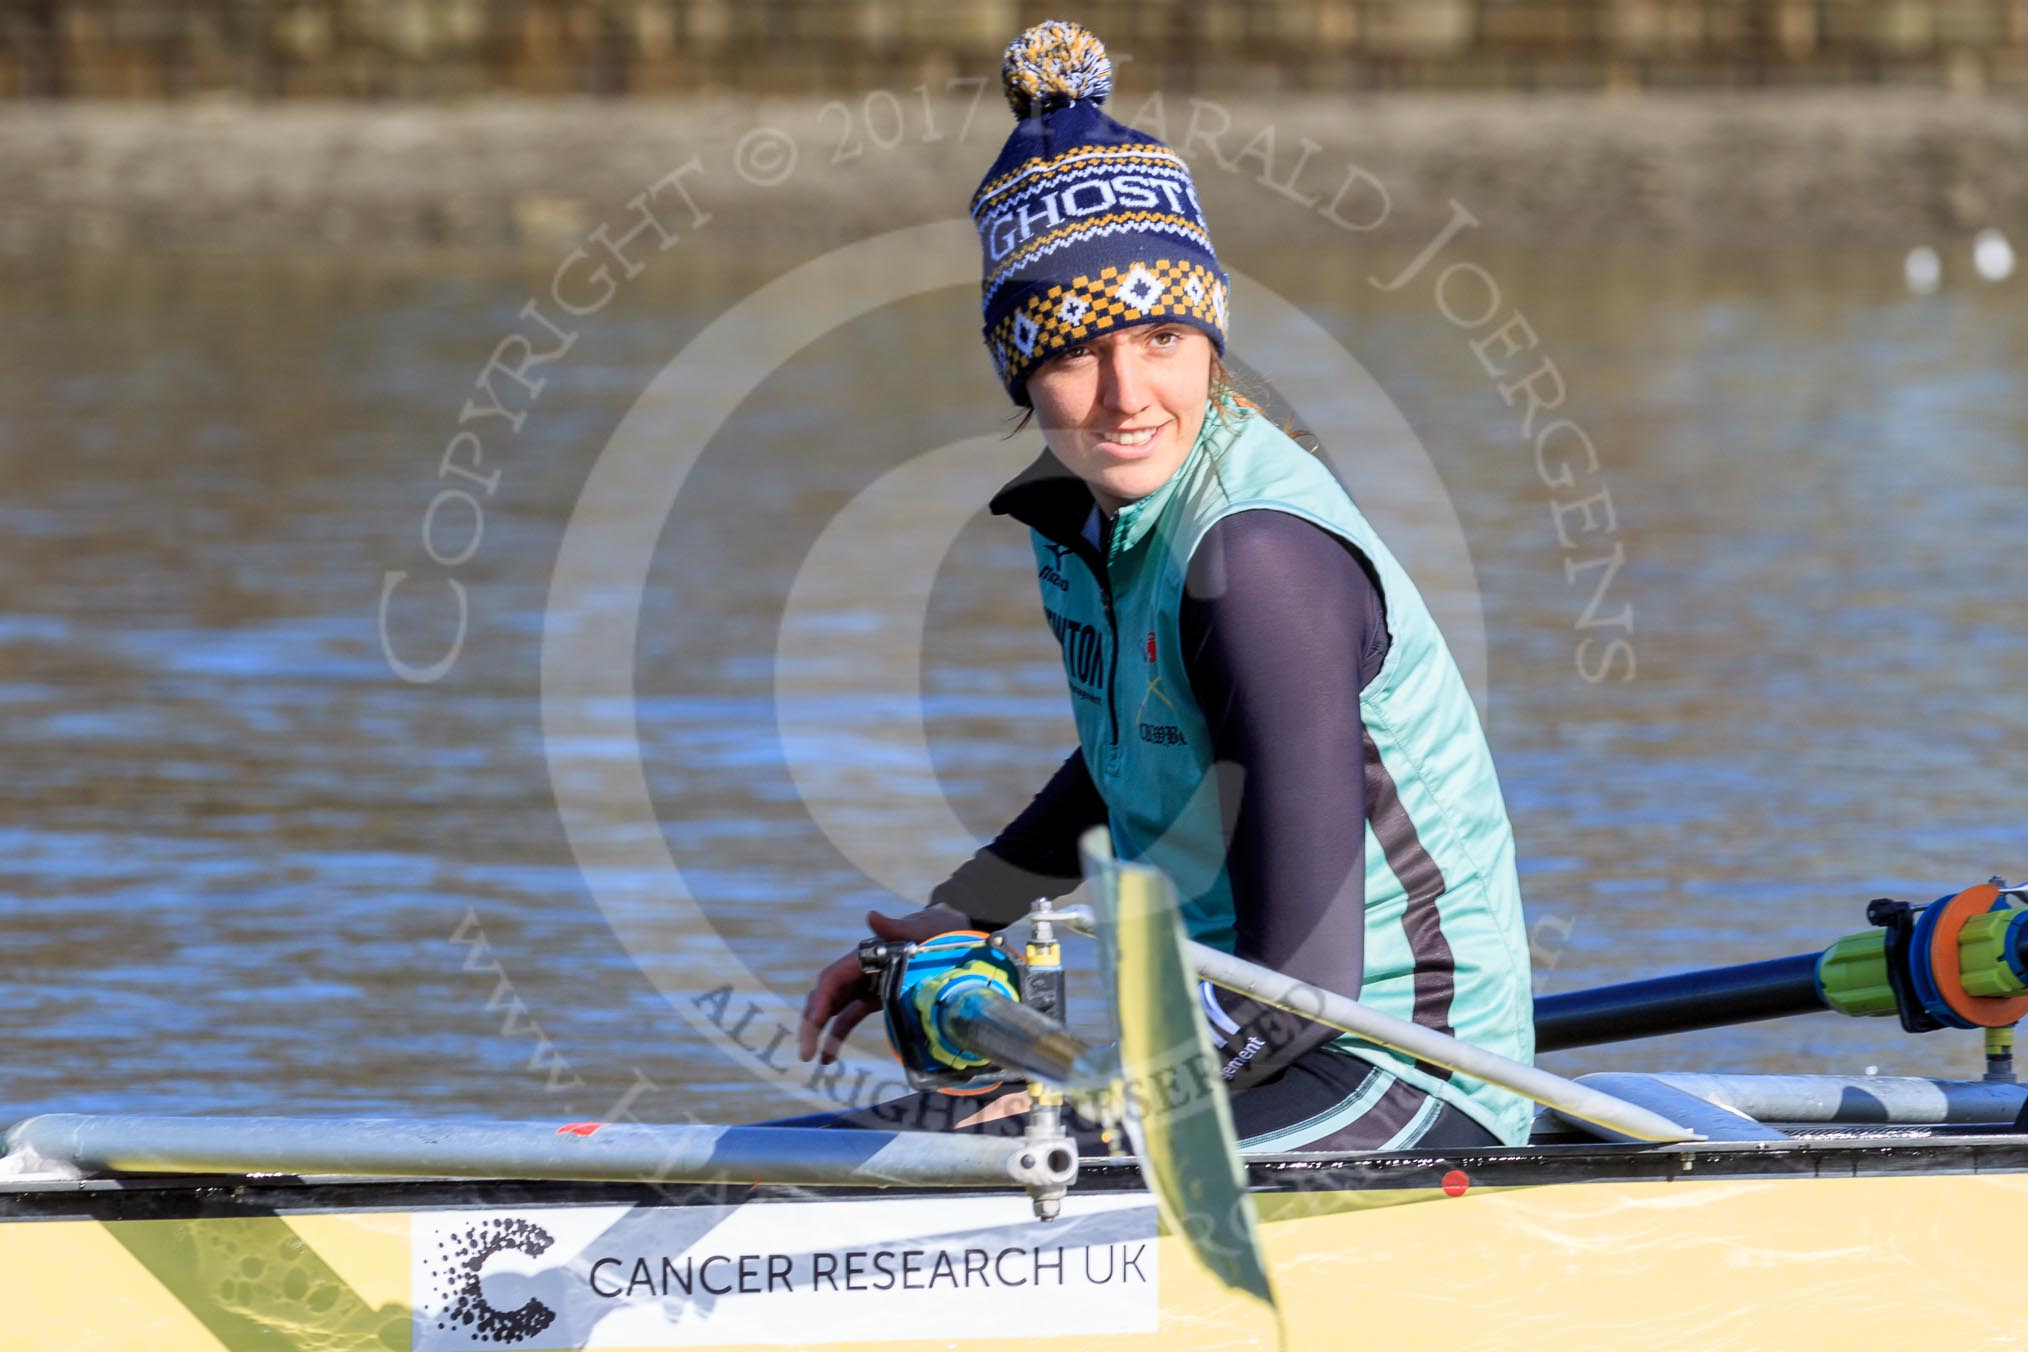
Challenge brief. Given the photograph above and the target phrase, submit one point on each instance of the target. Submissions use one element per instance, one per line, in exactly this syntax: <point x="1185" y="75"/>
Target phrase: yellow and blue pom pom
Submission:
<point x="1054" y="65"/>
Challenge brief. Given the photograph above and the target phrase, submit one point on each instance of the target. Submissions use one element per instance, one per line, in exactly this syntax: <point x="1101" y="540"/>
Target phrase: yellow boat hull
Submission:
<point x="1857" y="1248"/>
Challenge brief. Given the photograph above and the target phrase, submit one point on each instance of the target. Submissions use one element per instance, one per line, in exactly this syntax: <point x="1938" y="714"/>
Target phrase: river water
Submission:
<point x="246" y="868"/>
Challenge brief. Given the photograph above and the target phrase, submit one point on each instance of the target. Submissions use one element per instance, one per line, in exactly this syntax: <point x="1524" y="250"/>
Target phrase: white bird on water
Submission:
<point x="1923" y="269"/>
<point x="1992" y="255"/>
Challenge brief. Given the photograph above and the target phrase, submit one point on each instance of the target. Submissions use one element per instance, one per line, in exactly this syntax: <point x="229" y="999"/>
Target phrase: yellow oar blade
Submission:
<point x="1176" y="1113"/>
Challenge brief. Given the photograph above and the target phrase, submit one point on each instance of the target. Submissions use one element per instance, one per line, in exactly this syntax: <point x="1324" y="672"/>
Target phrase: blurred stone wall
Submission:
<point x="449" y="48"/>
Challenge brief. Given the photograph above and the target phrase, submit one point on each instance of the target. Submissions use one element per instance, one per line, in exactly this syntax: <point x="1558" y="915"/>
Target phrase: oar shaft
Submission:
<point x="1679" y="1003"/>
<point x="1567" y="1097"/>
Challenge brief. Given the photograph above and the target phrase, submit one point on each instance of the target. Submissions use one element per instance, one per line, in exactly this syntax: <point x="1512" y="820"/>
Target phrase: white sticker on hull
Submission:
<point x="764" y="1274"/>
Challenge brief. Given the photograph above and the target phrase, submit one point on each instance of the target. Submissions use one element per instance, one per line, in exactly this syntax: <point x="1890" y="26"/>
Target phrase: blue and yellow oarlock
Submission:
<point x="918" y="985"/>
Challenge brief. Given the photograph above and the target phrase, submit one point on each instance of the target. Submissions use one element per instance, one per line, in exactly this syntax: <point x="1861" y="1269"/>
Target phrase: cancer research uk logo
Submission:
<point x="457" y="1289"/>
<point x="766" y="1274"/>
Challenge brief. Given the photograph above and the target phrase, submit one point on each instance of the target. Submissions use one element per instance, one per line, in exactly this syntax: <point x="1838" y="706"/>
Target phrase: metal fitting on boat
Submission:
<point x="1046" y="1162"/>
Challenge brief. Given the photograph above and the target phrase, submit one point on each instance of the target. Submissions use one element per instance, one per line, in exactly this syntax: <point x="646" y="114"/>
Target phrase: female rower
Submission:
<point x="1265" y="709"/>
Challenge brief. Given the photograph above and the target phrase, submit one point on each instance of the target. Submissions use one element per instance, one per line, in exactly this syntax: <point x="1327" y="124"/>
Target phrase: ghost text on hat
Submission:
<point x="1020" y="224"/>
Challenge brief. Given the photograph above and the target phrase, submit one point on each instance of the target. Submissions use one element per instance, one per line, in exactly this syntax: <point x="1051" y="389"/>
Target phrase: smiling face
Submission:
<point x="1122" y="411"/>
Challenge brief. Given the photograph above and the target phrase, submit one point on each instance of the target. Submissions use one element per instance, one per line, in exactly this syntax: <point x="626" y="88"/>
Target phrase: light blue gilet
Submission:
<point x="1445" y="942"/>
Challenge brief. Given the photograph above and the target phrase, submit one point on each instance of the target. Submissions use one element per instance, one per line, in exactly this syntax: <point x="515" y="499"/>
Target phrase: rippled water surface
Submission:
<point x="244" y="867"/>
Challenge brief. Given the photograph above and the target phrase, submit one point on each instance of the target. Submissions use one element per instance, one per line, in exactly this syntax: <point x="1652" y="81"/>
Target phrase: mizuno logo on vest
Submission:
<point x="1052" y="573"/>
<point x="1083" y="650"/>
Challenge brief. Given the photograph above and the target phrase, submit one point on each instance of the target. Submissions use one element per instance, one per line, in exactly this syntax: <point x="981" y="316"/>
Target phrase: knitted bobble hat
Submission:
<point x="1086" y="226"/>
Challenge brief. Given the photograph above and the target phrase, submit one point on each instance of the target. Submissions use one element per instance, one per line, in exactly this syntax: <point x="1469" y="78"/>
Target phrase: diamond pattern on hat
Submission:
<point x="1056" y="317"/>
<point x="1140" y="289"/>
<point x="1025" y="330"/>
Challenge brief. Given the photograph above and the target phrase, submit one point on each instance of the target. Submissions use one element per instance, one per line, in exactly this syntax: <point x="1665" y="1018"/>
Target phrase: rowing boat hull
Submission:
<point x="1866" y="1242"/>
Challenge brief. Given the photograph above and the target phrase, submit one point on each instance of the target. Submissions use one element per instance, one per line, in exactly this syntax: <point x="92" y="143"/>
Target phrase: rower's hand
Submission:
<point x="843" y="995"/>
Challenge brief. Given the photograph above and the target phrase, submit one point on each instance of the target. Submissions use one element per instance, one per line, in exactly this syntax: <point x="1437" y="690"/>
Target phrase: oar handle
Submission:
<point x="1710" y="998"/>
<point x="1959" y="962"/>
